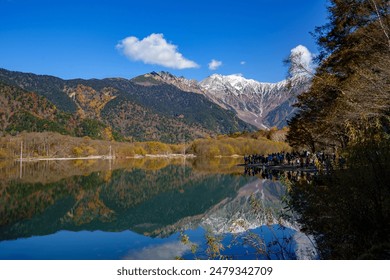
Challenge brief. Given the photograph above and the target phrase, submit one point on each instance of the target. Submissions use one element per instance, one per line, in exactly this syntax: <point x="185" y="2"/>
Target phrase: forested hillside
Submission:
<point x="21" y="110"/>
<point x="161" y="112"/>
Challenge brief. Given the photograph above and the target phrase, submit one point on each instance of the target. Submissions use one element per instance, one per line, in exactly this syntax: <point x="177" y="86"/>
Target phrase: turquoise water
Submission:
<point x="144" y="214"/>
<point x="99" y="245"/>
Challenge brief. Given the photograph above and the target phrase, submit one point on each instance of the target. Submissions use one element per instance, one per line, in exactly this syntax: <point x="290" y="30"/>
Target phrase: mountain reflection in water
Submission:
<point x="140" y="209"/>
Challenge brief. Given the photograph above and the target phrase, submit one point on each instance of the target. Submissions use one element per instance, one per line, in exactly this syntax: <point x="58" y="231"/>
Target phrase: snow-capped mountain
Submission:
<point x="256" y="204"/>
<point x="260" y="104"/>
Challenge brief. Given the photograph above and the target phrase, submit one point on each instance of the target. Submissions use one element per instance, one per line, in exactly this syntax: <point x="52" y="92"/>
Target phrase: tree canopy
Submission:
<point x="349" y="100"/>
<point x="347" y="208"/>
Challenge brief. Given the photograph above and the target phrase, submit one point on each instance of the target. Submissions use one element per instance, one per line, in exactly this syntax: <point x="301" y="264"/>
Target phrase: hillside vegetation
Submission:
<point x="21" y="110"/>
<point x="134" y="112"/>
<point x="51" y="144"/>
<point x="261" y="142"/>
<point x="102" y="114"/>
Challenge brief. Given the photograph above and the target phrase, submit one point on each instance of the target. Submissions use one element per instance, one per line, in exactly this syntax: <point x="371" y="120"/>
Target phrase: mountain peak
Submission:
<point x="233" y="78"/>
<point x="161" y="74"/>
<point x="163" y="77"/>
<point x="255" y="102"/>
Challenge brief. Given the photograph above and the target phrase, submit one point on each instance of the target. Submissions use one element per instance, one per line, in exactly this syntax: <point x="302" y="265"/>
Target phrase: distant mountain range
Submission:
<point x="263" y="105"/>
<point x="154" y="106"/>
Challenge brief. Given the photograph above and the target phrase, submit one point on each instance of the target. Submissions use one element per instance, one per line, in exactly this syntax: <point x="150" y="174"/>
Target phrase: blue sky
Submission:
<point x="87" y="39"/>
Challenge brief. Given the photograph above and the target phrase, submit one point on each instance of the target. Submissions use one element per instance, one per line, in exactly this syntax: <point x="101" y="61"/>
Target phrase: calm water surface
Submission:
<point x="143" y="209"/>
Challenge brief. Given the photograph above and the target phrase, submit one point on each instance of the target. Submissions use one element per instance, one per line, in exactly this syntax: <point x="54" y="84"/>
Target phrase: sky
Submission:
<point x="195" y="39"/>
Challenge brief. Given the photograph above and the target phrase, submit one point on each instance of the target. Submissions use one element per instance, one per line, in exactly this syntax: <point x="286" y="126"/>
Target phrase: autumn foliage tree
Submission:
<point x="349" y="100"/>
<point x="347" y="108"/>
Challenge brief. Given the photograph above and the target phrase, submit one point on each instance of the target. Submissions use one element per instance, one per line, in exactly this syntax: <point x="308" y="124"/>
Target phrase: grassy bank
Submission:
<point x="55" y="145"/>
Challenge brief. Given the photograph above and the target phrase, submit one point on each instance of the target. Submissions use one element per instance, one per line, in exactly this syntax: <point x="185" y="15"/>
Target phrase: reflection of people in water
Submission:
<point x="293" y="176"/>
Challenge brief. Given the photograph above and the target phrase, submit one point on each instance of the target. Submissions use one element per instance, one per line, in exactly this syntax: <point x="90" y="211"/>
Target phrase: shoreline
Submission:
<point x="161" y="156"/>
<point x="107" y="157"/>
<point x="63" y="158"/>
<point x="104" y="157"/>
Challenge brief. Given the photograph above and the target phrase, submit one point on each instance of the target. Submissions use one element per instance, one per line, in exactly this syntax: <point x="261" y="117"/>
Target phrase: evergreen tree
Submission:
<point x="347" y="210"/>
<point x="349" y="99"/>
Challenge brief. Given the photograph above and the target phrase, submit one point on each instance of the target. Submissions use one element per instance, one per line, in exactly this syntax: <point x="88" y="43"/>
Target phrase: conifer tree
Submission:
<point x="349" y="100"/>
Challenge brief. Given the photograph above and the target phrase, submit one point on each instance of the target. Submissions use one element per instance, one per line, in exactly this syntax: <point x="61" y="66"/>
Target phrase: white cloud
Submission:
<point x="166" y="251"/>
<point x="301" y="61"/>
<point x="214" y="64"/>
<point x="243" y="62"/>
<point x="154" y="49"/>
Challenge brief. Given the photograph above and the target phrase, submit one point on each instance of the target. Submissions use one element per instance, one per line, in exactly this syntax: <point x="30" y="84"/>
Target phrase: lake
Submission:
<point x="144" y="209"/>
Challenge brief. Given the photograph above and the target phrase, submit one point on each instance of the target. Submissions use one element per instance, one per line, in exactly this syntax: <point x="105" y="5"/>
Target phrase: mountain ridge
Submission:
<point x="163" y="112"/>
<point x="159" y="106"/>
<point x="253" y="100"/>
<point x="261" y="104"/>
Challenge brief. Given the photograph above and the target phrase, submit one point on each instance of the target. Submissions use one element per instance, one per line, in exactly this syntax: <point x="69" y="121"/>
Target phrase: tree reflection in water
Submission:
<point x="348" y="210"/>
<point x="155" y="199"/>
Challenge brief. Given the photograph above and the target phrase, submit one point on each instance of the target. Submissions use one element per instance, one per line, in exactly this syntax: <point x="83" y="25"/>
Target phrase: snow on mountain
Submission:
<point x="260" y="104"/>
<point x="238" y="214"/>
<point x="253" y="101"/>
